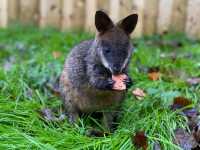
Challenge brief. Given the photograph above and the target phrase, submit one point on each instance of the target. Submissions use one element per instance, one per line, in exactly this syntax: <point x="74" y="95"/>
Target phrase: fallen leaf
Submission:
<point x="193" y="81"/>
<point x="139" y="93"/>
<point x="154" y="73"/>
<point x="190" y="112"/>
<point x="119" y="82"/>
<point x="140" y="140"/>
<point x="180" y="103"/>
<point x="56" y="54"/>
<point x="185" y="140"/>
<point x="47" y="114"/>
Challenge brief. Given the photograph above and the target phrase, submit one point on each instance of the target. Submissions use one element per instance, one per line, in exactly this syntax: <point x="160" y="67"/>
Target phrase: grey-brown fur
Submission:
<point x="86" y="81"/>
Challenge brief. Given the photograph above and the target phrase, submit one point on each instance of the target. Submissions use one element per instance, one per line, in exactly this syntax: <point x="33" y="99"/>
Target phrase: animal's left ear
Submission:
<point x="128" y="24"/>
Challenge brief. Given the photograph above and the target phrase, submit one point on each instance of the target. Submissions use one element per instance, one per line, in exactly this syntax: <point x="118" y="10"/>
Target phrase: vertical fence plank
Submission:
<point x="164" y="15"/>
<point x="67" y="14"/>
<point x="159" y="15"/>
<point x="150" y="16"/>
<point x="3" y="13"/>
<point x="138" y="7"/>
<point x="178" y="16"/>
<point x="73" y="14"/>
<point x="114" y="10"/>
<point x="193" y="19"/>
<point x="43" y="13"/>
<point x="126" y="7"/>
<point x="13" y="10"/>
<point x="28" y="12"/>
<point x="91" y="7"/>
<point x="50" y="13"/>
<point x="103" y="5"/>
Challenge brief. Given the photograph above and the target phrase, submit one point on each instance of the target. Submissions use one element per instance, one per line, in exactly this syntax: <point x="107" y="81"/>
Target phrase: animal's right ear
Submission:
<point x="102" y="21"/>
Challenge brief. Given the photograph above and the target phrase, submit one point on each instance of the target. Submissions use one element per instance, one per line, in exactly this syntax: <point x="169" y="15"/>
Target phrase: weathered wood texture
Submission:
<point x="155" y="16"/>
<point x="150" y="16"/>
<point x="91" y="7"/>
<point x="164" y="15"/>
<point x="178" y="16"/>
<point x="13" y="10"/>
<point x="138" y="7"/>
<point x="50" y="13"/>
<point x="3" y="13"/>
<point x="28" y="11"/>
<point x="193" y="19"/>
<point x="73" y="14"/>
<point x="114" y="9"/>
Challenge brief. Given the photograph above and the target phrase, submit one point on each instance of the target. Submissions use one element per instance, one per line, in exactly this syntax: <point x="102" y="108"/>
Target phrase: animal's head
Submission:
<point x="113" y="41"/>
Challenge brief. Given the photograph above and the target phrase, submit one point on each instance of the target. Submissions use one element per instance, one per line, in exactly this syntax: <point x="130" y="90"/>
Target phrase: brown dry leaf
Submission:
<point x="56" y="54"/>
<point x="140" y="140"/>
<point x="154" y="73"/>
<point x="139" y="93"/>
<point x="181" y="102"/>
<point x="154" y="76"/>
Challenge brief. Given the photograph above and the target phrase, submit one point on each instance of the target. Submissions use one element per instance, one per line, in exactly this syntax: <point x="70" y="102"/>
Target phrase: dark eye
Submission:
<point x="107" y="51"/>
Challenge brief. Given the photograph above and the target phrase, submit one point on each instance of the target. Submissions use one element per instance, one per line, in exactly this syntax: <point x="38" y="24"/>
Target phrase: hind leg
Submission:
<point x="72" y="115"/>
<point x="70" y="110"/>
<point x="109" y="120"/>
<point x="69" y="107"/>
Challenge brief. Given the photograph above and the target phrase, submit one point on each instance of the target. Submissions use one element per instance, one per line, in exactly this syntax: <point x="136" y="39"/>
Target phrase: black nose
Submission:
<point x="116" y="69"/>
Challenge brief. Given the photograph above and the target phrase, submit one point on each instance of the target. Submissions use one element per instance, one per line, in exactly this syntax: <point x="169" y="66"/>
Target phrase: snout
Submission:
<point x="116" y="69"/>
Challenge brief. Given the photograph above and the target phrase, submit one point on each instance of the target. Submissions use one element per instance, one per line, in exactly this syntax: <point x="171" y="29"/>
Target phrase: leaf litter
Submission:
<point x="187" y="140"/>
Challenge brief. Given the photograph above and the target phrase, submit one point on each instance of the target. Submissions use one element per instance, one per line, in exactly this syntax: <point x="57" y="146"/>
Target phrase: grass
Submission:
<point x="23" y="91"/>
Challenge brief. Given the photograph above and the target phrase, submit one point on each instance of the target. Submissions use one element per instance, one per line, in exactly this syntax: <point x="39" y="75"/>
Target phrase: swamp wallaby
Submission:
<point x="86" y="83"/>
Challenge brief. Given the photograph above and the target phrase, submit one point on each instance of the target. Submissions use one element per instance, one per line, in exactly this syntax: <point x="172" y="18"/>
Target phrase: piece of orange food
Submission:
<point x="119" y="82"/>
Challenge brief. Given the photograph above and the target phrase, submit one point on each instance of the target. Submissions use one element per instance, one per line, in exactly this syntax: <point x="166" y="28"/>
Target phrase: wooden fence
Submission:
<point x="155" y="16"/>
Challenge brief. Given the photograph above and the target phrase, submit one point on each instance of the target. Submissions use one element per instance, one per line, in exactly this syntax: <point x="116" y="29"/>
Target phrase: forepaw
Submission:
<point x="128" y="81"/>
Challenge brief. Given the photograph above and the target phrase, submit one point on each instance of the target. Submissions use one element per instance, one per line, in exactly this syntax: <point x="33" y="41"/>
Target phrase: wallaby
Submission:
<point x="86" y="83"/>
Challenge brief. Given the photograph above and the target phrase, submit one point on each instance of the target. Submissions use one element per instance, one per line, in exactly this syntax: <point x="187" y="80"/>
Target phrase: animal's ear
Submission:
<point x="128" y="24"/>
<point x="102" y="21"/>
